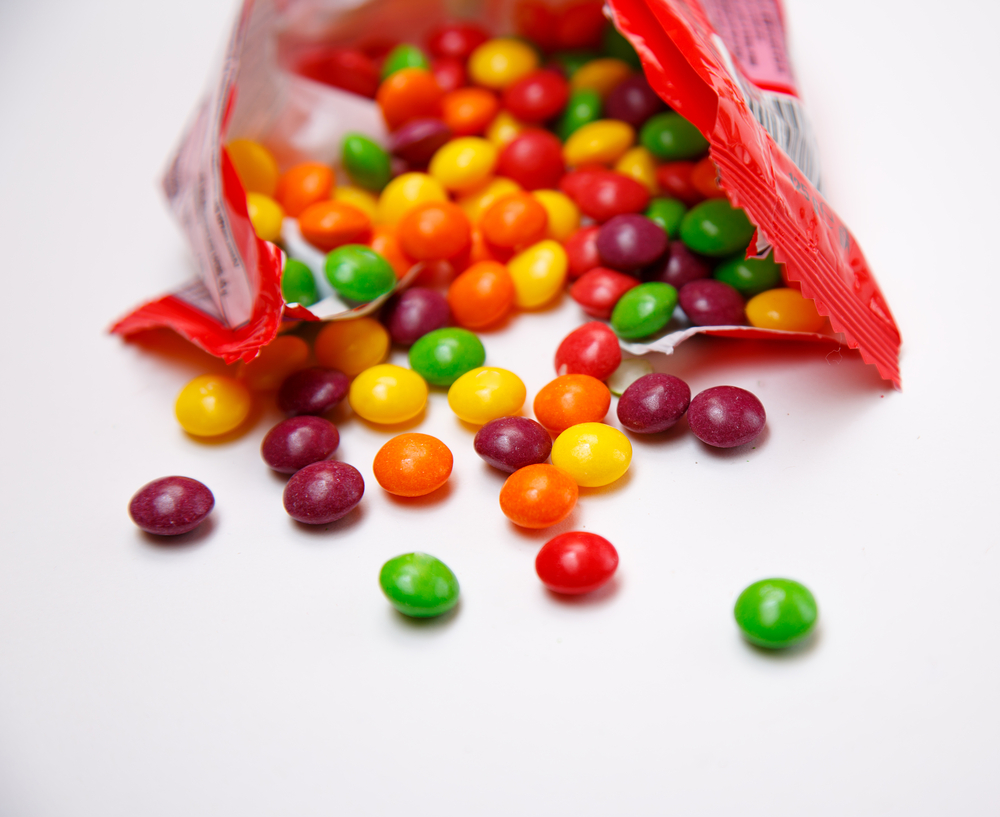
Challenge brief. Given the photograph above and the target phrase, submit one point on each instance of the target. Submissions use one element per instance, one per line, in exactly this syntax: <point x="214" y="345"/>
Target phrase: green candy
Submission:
<point x="775" y="613"/>
<point x="716" y="228"/>
<point x="298" y="286"/>
<point x="584" y="106"/>
<point x="670" y="137"/>
<point x="644" y="310"/>
<point x="667" y="213"/>
<point x="419" y="585"/>
<point x="571" y="61"/>
<point x="358" y="273"/>
<point x="614" y="44"/>
<point x="442" y="356"/>
<point x="366" y="162"/>
<point x="750" y="276"/>
<point x="404" y="56"/>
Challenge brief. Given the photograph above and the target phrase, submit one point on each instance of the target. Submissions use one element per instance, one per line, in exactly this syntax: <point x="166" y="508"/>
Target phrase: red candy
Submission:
<point x="581" y="25"/>
<point x="456" y="40"/>
<point x="598" y="291"/>
<point x="576" y="562"/>
<point x="534" y="160"/>
<point x="674" y="178"/>
<point x="536" y="97"/>
<point x="581" y="251"/>
<point x="604" y="194"/>
<point x="343" y="68"/>
<point x="592" y="349"/>
<point x="449" y="73"/>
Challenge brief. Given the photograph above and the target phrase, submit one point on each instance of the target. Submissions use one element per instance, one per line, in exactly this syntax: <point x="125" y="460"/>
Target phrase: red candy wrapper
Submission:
<point x="722" y="65"/>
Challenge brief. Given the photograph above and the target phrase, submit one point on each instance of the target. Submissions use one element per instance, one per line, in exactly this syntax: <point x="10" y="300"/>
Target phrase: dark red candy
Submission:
<point x="680" y="266"/>
<point x="726" y="416"/>
<point x="604" y="194"/>
<point x="343" y="68"/>
<point x="576" y="181"/>
<point x="535" y="21"/>
<point x="537" y="96"/>
<point x="674" y="179"/>
<point x="312" y="391"/>
<point x="449" y="73"/>
<point x="457" y="40"/>
<point x="599" y="290"/>
<point x="581" y="24"/>
<point x="418" y="140"/>
<point x="630" y="242"/>
<point x="592" y="349"/>
<point x="323" y="492"/>
<point x="653" y="403"/>
<point x="534" y="160"/>
<point x="711" y="303"/>
<point x="509" y="443"/>
<point x="170" y="505"/>
<point x="581" y="251"/>
<point x="299" y="441"/>
<point x="633" y="101"/>
<point x="412" y="314"/>
<point x="576" y="562"/>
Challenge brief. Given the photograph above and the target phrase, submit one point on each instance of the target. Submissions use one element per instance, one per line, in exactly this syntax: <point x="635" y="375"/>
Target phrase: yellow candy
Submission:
<point x="351" y="346"/>
<point x="498" y="63"/>
<point x="388" y="394"/>
<point x="593" y="454"/>
<point x="600" y="75"/>
<point x="539" y="273"/>
<point x="476" y="202"/>
<point x="462" y="164"/>
<point x="405" y="191"/>
<point x="254" y="165"/>
<point x="784" y="308"/>
<point x="283" y="356"/>
<point x="485" y="394"/>
<point x="265" y="216"/>
<point x="641" y="166"/>
<point x="564" y="215"/>
<point x="504" y="128"/>
<point x="212" y="404"/>
<point x="366" y="202"/>
<point x="603" y="142"/>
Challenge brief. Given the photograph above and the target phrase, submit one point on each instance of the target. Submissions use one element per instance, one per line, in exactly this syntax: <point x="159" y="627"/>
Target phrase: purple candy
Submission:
<point x="680" y="266"/>
<point x="726" y="416"/>
<point x="630" y="242"/>
<point x="653" y="403"/>
<point x="633" y="101"/>
<point x="711" y="303"/>
<point x="171" y="505"/>
<point x="312" y="391"/>
<point x="299" y="441"/>
<point x="412" y="314"/>
<point x="418" y="140"/>
<point x="509" y="443"/>
<point x="323" y="492"/>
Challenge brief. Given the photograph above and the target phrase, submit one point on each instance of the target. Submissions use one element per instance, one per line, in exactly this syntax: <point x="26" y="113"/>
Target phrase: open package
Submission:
<point x="720" y="65"/>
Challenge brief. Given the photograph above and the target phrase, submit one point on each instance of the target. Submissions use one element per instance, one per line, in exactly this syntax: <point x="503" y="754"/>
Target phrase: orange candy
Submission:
<point x="481" y="295"/>
<point x="469" y="111"/>
<point x="703" y="179"/>
<point x="571" y="399"/>
<point x="407" y="94"/>
<point x="412" y="465"/>
<point x="515" y="220"/>
<point x="538" y="496"/>
<point x="331" y="224"/>
<point x="284" y="355"/>
<point x="434" y="231"/>
<point x="385" y="243"/>
<point x="303" y="185"/>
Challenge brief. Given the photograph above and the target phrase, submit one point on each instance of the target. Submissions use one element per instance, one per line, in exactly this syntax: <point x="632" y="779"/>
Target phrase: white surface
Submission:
<point x="257" y="670"/>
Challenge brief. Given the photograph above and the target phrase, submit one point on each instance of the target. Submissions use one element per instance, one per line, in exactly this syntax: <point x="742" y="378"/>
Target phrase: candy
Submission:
<point x="533" y="159"/>
<point x="364" y="200"/>
<point x="255" y="166"/>
<point x="330" y="224"/>
<point x="509" y="443"/>
<point x="604" y="194"/>
<point x="716" y="228"/>
<point x="211" y="405"/>
<point x="670" y="137"/>
<point x="504" y="128"/>
<point x="170" y="505"/>
<point x="630" y="370"/>
<point x="563" y="214"/>
<point x="501" y="62"/>
<point x="633" y="101"/>
<point x="674" y="178"/>
<point x="477" y="201"/>
<point x="515" y="220"/>
<point x="600" y="142"/>
<point x="776" y="613"/>
<point x="576" y="562"/>
<point x="388" y="394"/>
<point x="385" y="243"/>
<point x="463" y="163"/>
<point x="538" y="496"/>
<point x="449" y="73"/>
<point x="434" y="231"/>
<point x="456" y="40"/>
<point x="580" y="24"/>
<point x="600" y="289"/>
<point x="469" y="111"/>
<point x="638" y="163"/>
<point x="726" y="416"/>
<point x="403" y="56"/>
<point x="414" y="313"/>
<point x="582" y="108"/>
<point x="538" y="273"/>
<point x="653" y="403"/>
<point x="749" y="276"/>
<point x="418" y="585"/>
<point x="704" y="179"/>
<point x="711" y="303"/>
<point x="667" y="213"/>
<point x="601" y="76"/>
<point x="412" y="465"/>
<point x="302" y="185"/>
<point x="312" y="391"/>
<point x="581" y="251"/>
<point x="409" y="94"/>
<point x="569" y="62"/>
<point x="280" y="358"/>
<point x="265" y="216"/>
<point x="571" y="399"/>
<point x="299" y="441"/>
<point x="630" y="242"/>
<point x="407" y="191"/>
<point x="419" y="139"/>
<point x="351" y="346"/>
<point x="298" y="285"/>
<point x="644" y="310"/>
<point x="481" y="295"/>
<point x="359" y="273"/>
<point x="485" y="394"/>
<point x="537" y="96"/>
<point x="593" y="454"/>
<point x="592" y="349"/>
<point x="344" y="68"/>
<point x="365" y="162"/>
<point x="680" y="266"/>
<point x="323" y="492"/>
<point x="444" y="355"/>
<point x="786" y="309"/>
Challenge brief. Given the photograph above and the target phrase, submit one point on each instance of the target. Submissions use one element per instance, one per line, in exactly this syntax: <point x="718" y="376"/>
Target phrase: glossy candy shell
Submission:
<point x="419" y="585"/>
<point x="776" y="613"/>
<point x="170" y="505"/>
<point x="312" y="391"/>
<point x="576" y="562"/>
<point x="299" y="441"/>
<point x="510" y="443"/>
<point x="653" y="403"/>
<point x="726" y="416"/>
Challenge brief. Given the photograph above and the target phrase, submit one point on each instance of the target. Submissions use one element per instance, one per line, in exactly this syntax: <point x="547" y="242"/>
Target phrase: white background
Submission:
<point x="256" y="669"/>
